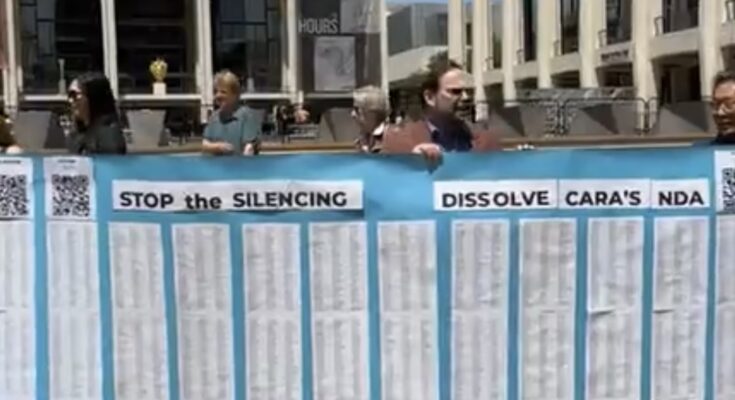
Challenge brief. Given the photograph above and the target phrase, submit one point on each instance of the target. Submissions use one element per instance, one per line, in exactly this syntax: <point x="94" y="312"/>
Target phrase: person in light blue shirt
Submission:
<point x="232" y="128"/>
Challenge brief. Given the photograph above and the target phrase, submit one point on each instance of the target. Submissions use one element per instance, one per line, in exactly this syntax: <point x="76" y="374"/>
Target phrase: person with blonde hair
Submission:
<point x="232" y="128"/>
<point x="371" y="109"/>
<point x="8" y="144"/>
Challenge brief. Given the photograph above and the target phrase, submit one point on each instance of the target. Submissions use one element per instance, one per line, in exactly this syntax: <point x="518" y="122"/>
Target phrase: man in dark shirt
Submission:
<point x="723" y="108"/>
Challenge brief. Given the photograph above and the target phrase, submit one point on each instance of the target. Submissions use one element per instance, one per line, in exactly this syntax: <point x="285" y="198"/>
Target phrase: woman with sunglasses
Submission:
<point x="97" y="123"/>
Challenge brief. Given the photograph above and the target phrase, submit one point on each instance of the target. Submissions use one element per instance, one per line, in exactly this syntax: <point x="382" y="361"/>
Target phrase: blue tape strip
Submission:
<point x="169" y="286"/>
<point x="238" y="311"/>
<point x="41" y="283"/>
<point x="580" y="312"/>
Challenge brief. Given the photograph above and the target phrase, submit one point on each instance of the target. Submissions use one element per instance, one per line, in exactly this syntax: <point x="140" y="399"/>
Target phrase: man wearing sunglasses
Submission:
<point x="444" y="94"/>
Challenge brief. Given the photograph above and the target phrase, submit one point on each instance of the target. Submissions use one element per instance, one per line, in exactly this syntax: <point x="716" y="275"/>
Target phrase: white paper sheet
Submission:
<point x="70" y="188"/>
<point x="334" y="63"/>
<point x="273" y="311"/>
<point x="75" y="361"/>
<point x="725" y="353"/>
<point x="359" y="16"/>
<point x="203" y="268"/>
<point x="17" y="323"/>
<point x="548" y="268"/>
<point x="680" y="301"/>
<point x="407" y="265"/>
<point x="338" y="260"/>
<point x="725" y="310"/>
<point x="139" y="313"/>
<point x="16" y="188"/>
<point x="480" y="263"/>
<point x="613" y="355"/>
<point x="615" y="270"/>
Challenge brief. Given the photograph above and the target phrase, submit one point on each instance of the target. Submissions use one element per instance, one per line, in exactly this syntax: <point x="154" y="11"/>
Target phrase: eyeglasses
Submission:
<point x="73" y="95"/>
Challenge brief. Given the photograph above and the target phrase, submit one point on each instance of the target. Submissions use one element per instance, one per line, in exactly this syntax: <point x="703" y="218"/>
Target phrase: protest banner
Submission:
<point x="521" y="275"/>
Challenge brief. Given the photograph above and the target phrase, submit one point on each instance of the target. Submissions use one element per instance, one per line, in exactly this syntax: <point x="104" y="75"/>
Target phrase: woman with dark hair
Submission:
<point x="8" y="145"/>
<point x="97" y="123"/>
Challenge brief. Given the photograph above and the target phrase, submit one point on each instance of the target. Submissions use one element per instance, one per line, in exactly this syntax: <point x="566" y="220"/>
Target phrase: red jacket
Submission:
<point x="401" y="139"/>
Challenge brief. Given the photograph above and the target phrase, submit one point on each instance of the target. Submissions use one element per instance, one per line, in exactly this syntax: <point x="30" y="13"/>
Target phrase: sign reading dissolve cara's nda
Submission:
<point x="516" y="276"/>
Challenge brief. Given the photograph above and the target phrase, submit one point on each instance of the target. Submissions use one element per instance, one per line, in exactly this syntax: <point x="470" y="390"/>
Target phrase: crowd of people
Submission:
<point x="234" y="128"/>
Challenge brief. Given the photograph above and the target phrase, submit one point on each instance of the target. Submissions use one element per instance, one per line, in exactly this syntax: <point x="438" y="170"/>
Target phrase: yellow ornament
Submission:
<point x="159" y="69"/>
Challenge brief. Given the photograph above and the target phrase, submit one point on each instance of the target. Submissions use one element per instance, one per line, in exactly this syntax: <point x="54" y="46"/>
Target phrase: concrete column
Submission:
<point x="455" y="16"/>
<point x="384" y="81"/>
<point x="292" y="43"/>
<point x="643" y="30"/>
<point x="589" y="26"/>
<point x="710" y="53"/>
<point x="510" y="45"/>
<point x="546" y="34"/>
<point x="480" y="38"/>
<point x="11" y="83"/>
<point x="109" y="44"/>
<point x="205" y="60"/>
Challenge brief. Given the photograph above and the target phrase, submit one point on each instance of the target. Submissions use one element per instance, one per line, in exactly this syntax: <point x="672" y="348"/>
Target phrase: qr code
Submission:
<point x="70" y="196"/>
<point x="14" y="201"/>
<point x="728" y="189"/>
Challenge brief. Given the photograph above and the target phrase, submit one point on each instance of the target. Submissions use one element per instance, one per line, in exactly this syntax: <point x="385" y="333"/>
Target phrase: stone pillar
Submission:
<point x="545" y="38"/>
<point x="710" y="53"/>
<point x="480" y="38"/>
<point x="510" y="46"/>
<point x="456" y="29"/>
<point x="590" y="12"/>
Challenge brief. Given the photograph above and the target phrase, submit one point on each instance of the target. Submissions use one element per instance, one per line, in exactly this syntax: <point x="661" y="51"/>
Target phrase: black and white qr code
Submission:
<point x="70" y="196"/>
<point x="14" y="200"/>
<point x="728" y="189"/>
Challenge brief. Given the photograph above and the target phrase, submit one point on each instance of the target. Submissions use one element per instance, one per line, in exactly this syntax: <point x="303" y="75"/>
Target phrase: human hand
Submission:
<point x="525" y="147"/>
<point x="249" y="150"/>
<point x="430" y="151"/>
<point x="224" y="147"/>
<point x="301" y="116"/>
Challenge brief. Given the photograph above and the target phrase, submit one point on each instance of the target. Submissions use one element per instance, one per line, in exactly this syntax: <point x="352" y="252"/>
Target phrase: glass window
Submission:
<point x="248" y="39"/>
<point x="619" y="16"/>
<point x="151" y="29"/>
<point x="60" y="39"/>
<point x="340" y="44"/>
<point x="569" y="26"/>
<point x="529" y="29"/>
<point x="497" y="34"/>
<point x="3" y="55"/>
<point x="680" y="14"/>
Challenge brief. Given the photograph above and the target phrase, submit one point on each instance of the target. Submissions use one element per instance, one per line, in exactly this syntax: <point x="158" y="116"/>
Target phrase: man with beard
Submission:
<point x="444" y="94"/>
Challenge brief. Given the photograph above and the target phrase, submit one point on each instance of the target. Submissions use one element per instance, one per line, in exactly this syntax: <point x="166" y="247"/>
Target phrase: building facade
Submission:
<point x="664" y="50"/>
<point x="285" y="50"/>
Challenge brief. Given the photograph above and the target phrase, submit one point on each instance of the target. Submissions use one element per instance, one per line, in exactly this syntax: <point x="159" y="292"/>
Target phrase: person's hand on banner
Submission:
<point x="525" y="147"/>
<point x="224" y="147"/>
<point x="430" y="151"/>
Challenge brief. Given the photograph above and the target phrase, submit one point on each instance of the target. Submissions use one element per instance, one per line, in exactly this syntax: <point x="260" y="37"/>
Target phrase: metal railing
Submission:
<point x="639" y="108"/>
<point x="602" y="38"/>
